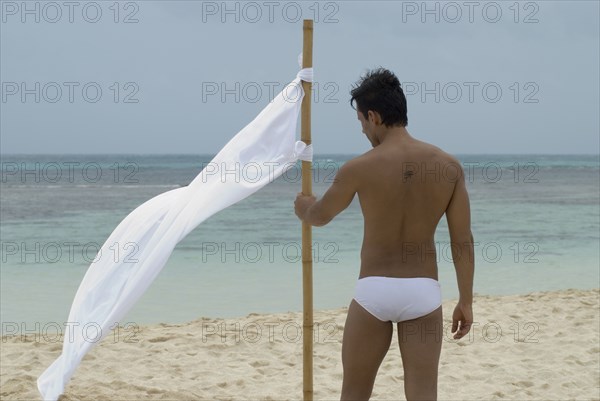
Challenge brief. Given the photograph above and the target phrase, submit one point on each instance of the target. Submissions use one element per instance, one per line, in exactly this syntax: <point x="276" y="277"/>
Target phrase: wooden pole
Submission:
<point x="307" y="280"/>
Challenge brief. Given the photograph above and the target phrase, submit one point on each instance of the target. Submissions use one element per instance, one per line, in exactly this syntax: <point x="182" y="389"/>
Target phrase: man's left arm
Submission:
<point x="337" y="198"/>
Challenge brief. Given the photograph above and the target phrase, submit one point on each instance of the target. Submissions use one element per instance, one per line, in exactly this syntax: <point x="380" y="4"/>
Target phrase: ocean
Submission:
<point x="535" y="221"/>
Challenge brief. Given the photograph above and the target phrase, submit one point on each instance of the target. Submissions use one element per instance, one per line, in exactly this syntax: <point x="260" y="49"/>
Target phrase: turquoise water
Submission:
<point x="536" y="223"/>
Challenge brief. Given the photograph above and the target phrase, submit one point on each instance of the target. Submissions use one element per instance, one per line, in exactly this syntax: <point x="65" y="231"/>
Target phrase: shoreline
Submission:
<point x="542" y="345"/>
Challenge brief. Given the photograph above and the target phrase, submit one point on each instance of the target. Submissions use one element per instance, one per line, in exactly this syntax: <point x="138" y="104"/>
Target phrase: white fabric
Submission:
<point x="112" y="285"/>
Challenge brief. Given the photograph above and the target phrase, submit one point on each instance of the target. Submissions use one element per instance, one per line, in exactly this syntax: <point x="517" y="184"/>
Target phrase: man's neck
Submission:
<point x="393" y="134"/>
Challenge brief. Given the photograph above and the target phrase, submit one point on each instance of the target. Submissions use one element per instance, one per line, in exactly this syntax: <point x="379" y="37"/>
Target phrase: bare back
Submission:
<point x="404" y="189"/>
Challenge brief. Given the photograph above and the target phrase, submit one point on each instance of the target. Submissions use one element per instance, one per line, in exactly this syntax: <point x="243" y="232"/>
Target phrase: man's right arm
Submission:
<point x="458" y="215"/>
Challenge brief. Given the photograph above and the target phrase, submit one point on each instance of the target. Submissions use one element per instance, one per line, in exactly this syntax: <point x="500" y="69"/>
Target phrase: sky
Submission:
<point x="150" y="77"/>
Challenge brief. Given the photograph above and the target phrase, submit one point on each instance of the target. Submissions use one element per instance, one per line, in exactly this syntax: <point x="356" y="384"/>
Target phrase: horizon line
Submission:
<point x="315" y="154"/>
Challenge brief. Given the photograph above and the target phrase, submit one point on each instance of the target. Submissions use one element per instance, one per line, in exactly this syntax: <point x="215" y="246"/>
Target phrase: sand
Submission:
<point x="540" y="346"/>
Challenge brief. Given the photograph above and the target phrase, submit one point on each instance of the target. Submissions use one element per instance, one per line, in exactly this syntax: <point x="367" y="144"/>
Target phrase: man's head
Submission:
<point x="380" y="101"/>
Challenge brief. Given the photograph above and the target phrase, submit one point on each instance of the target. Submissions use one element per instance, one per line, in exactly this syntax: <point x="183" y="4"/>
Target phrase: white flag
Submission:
<point x="111" y="287"/>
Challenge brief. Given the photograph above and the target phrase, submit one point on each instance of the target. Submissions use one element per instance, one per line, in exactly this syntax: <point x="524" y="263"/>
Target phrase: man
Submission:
<point x="404" y="187"/>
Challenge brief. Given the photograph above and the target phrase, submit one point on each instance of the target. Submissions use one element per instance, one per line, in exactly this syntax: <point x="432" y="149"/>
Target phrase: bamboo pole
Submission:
<point x="307" y="279"/>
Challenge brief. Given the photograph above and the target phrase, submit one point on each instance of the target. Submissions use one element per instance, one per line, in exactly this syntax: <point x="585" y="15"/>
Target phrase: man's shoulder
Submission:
<point x="361" y="160"/>
<point x="440" y="154"/>
<point x="355" y="166"/>
<point x="446" y="161"/>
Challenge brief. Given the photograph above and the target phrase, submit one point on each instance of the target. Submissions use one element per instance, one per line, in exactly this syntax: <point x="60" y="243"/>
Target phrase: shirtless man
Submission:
<point x="404" y="187"/>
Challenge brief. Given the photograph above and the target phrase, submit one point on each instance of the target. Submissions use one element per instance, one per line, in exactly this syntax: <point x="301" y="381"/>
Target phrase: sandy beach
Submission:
<point x="540" y="346"/>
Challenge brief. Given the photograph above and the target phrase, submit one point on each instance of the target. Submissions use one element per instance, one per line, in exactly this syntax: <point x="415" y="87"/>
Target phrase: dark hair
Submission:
<point x="380" y="90"/>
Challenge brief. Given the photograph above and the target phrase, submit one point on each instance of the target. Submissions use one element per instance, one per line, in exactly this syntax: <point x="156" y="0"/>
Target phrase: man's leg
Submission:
<point x="420" y="346"/>
<point x="366" y="341"/>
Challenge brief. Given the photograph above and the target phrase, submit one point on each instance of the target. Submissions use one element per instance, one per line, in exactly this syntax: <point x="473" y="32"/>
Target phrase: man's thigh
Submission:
<point x="365" y="343"/>
<point x="420" y="345"/>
